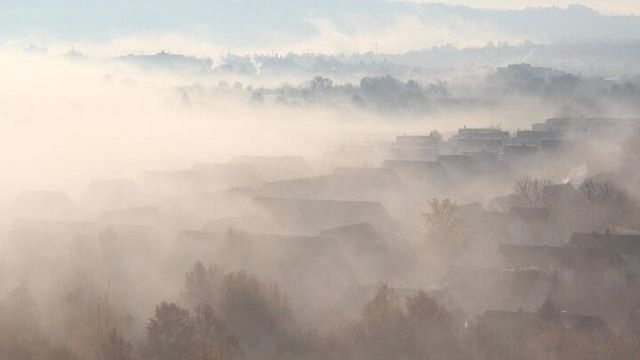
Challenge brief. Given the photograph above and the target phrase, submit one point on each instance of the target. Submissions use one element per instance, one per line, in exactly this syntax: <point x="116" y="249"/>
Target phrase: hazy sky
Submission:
<point x="618" y="7"/>
<point x="205" y="27"/>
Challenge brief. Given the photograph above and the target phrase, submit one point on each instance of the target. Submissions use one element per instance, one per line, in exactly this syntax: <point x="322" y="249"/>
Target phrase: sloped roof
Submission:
<point x="505" y="203"/>
<point x="249" y="223"/>
<point x="42" y="204"/>
<point x="519" y="282"/>
<point x="229" y="174"/>
<point x="623" y="244"/>
<point x="526" y="321"/>
<point x="343" y="184"/>
<point x="306" y="216"/>
<point x="552" y="257"/>
<point x="112" y="194"/>
<point x="274" y="168"/>
<point x="360" y="236"/>
<point x="430" y="172"/>
<point x="144" y="215"/>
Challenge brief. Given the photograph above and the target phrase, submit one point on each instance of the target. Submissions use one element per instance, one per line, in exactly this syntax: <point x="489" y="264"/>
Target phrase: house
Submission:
<point x="477" y="289"/>
<point x="366" y="251"/>
<point x="628" y="246"/>
<point x="579" y="259"/>
<point x="359" y="238"/>
<point x="587" y="277"/>
<point x="246" y="223"/>
<point x="52" y="205"/>
<point x="480" y="139"/>
<point x="517" y="152"/>
<point x="505" y="203"/>
<point x="228" y="175"/>
<point x="305" y="216"/>
<point x="520" y="324"/>
<point x="533" y="226"/>
<point x="143" y="215"/>
<point x="345" y="183"/>
<point x="275" y="168"/>
<point x="532" y="137"/>
<point x="47" y="234"/>
<point x="190" y="246"/>
<point x="113" y="194"/>
<point x="193" y="211"/>
<point x="422" y="174"/>
<point x="461" y="168"/>
<point x="416" y="147"/>
<point x="163" y="184"/>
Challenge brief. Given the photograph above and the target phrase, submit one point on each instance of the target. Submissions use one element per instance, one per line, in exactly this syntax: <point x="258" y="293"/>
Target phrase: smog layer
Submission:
<point x="354" y="179"/>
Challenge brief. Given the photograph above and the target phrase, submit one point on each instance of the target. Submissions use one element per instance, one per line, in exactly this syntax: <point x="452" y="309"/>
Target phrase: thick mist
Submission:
<point x="202" y="203"/>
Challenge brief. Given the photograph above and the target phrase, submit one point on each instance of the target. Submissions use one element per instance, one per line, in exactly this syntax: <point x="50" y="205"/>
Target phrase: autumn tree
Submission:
<point x="213" y="339"/>
<point x="171" y="333"/>
<point x="419" y="328"/>
<point x="256" y="312"/>
<point x="203" y="286"/>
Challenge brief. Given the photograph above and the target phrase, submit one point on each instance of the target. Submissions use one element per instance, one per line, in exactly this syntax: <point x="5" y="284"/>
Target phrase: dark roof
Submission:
<point x="163" y="183"/>
<point x="529" y="214"/>
<point x="44" y="204"/>
<point x="430" y="172"/>
<point x="505" y="203"/>
<point x="360" y="236"/>
<point x="144" y="215"/>
<point x="520" y="282"/>
<point x="520" y="321"/>
<point x="552" y="257"/>
<point x="273" y="168"/>
<point x="112" y="194"/>
<point x="622" y="243"/>
<point x="312" y="216"/>
<point x="229" y="174"/>
<point x="343" y="184"/>
<point x="37" y="229"/>
<point x="536" y="220"/>
<point x="249" y="223"/>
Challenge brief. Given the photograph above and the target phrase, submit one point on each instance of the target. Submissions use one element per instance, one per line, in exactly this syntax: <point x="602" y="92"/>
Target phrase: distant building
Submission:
<point x="480" y="139"/>
<point x="416" y="147"/>
<point x="532" y="137"/>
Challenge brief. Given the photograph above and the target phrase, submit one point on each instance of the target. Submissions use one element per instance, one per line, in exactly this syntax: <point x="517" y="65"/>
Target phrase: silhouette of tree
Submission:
<point x="170" y="333"/>
<point x="549" y="311"/>
<point x="532" y="190"/>
<point x="116" y="347"/>
<point x="444" y="226"/>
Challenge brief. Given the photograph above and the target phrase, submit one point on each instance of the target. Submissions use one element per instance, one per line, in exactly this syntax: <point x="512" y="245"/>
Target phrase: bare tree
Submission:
<point x="444" y="226"/>
<point x="533" y="190"/>
<point x="608" y="203"/>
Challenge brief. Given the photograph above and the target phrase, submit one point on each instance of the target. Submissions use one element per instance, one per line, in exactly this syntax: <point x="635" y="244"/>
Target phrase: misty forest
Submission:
<point x="357" y="179"/>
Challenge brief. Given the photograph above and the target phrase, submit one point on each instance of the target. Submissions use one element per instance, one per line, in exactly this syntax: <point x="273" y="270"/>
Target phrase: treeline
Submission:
<point x="237" y="316"/>
<point x="570" y="94"/>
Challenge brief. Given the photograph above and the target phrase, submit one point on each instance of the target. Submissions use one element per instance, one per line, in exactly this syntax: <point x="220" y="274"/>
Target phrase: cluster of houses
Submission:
<point x="341" y="231"/>
<point x="544" y="137"/>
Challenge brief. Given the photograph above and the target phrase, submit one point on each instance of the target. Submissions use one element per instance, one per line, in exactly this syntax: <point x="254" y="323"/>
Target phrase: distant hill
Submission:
<point x="262" y="23"/>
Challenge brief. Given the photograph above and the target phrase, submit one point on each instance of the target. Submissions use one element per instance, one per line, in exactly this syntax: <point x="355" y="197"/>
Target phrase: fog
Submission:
<point x="165" y="197"/>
